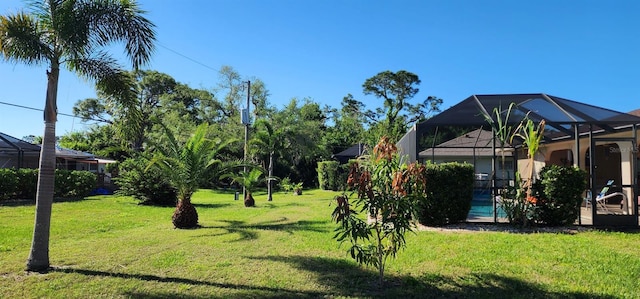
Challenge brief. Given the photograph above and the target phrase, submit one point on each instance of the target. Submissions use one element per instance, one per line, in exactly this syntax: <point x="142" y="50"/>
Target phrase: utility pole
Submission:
<point x="246" y="121"/>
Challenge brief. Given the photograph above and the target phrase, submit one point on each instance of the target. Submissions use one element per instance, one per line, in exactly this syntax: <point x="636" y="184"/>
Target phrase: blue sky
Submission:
<point x="588" y="51"/>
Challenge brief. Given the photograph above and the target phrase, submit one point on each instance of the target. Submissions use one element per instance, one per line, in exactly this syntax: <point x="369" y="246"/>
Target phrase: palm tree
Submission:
<point x="185" y="166"/>
<point x="249" y="180"/>
<point x="72" y="34"/>
<point x="267" y="141"/>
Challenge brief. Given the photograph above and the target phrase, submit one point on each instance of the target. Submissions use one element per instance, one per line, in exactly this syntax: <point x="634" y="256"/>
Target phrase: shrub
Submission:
<point x="27" y="183"/>
<point x="328" y="175"/>
<point x="149" y="186"/>
<point x="22" y="183"/>
<point x="289" y="186"/>
<point x="449" y="191"/>
<point x="74" y="183"/>
<point x="560" y="194"/>
<point x="8" y="183"/>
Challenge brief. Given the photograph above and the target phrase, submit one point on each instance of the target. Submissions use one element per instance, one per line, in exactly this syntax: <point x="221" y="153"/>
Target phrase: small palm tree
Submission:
<point x="71" y="34"/>
<point x="185" y="166"/>
<point x="248" y="180"/>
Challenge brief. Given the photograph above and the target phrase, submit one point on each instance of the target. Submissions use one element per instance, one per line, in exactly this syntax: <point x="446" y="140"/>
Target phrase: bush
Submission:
<point x="149" y="186"/>
<point x="559" y="194"/>
<point x="74" y="183"/>
<point x="8" y="183"/>
<point x="27" y="183"/>
<point x="343" y="175"/>
<point x="449" y="191"/>
<point x="22" y="183"/>
<point x="328" y="175"/>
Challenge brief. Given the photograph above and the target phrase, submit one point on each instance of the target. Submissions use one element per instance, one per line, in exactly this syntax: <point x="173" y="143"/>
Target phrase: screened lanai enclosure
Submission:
<point x="17" y="153"/>
<point x="601" y="141"/>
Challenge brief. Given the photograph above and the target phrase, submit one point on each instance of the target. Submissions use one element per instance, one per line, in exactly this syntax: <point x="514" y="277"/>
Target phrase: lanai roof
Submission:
<point x="560" y="115"/>
<point x="12" y="144"/>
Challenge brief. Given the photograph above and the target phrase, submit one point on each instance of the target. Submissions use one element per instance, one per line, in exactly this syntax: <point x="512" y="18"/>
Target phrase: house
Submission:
<point x="599" y="140"/>
<point x="17" y="153"/>
<point x="476" y="148"/>
<point x="352" y="152"/>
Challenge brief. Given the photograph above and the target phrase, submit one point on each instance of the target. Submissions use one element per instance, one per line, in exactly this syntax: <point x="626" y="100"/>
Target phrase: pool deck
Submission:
<point x="585" y="215"/>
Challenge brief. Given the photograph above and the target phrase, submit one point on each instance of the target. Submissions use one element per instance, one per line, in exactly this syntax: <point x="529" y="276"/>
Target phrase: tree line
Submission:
<point x="290" y="139"/>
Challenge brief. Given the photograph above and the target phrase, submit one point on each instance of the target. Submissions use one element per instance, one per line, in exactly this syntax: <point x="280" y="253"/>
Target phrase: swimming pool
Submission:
<point x="482" y="206"/>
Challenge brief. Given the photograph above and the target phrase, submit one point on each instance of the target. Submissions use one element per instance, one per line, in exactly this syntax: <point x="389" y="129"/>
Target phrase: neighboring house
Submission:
<point x="475" y="148"/>
<point x="352" y="152"/>
<point x="601" y="141"/>
<point x="17" y="153"/>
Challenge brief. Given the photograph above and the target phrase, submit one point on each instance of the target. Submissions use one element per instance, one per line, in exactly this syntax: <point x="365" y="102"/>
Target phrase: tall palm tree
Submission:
<point x="267" y="142"/>
<point x="185" y="166"/>
<point x="71" y="34"/>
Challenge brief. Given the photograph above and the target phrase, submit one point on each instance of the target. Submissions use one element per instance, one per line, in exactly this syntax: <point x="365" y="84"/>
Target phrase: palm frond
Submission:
<point x="122" y="21"/>
<point x="21" y="39"/>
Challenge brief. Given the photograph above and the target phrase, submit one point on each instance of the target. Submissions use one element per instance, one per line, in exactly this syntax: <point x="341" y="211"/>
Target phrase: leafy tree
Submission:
<point x="100" y="140"/>
<point x="348" y="126"/>
<point x="185" y="165"/>
<point x="75" y="140"/>
<point x="396" y="90"/>
<point x="302" y="143"/>
<point x="131" y="113"/>
<point x="33" y="139"/>
<point x="387" y="191"/>
<point x="73" y="34"/>
<point x="92" y="109"/>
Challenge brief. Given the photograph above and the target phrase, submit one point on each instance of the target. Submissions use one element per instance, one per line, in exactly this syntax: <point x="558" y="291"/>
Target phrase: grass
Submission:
<point x="108" y="246"/>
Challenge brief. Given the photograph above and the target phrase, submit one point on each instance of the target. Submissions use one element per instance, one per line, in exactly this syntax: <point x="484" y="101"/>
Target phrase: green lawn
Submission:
<point x="108" y="246"/>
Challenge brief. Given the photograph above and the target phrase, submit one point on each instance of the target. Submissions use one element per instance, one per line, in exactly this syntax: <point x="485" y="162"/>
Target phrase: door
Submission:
<point x="613" y="182"/>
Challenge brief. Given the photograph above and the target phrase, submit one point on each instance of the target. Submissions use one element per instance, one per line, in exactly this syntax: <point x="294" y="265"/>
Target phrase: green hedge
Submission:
<point x="559" y="191"/>
<point x="449" y="194"/>
<point x="328" y="175"/>
<point x="22" y="183"/>
<point x="8" y="183"/>
<point x="74" y="183"/>
<point x="27" y="183"/>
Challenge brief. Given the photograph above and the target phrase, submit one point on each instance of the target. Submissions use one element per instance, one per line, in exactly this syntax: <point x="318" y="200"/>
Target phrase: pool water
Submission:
<point x="482" y="206"/>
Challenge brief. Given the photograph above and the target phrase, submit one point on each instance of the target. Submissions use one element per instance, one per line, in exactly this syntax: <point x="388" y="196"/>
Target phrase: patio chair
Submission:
<point x="601" y="199"/>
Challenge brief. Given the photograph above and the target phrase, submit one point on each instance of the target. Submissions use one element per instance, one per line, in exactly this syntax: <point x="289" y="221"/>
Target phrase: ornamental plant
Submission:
<point x="380" y="209"/>
<point x="521" y="208"/>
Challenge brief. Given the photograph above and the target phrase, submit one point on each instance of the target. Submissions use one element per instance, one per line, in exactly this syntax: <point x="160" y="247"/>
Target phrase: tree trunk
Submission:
<point x="39" y="255"/>
<point x="269" y="181"/>
<point x="185" y="215"/>
<point x="249" y="201"/>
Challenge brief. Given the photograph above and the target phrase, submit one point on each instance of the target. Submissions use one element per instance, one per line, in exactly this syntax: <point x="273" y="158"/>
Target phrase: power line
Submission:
<point x="185" y="56"/>
<point x="42" y="110"/>
<point x="102" y="120"/>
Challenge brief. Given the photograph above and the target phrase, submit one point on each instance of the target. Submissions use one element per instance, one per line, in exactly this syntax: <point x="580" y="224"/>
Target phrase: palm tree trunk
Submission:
<point x="185" y="214"/>
<point x="269" y="181"/>
<point x="39" y="255"/>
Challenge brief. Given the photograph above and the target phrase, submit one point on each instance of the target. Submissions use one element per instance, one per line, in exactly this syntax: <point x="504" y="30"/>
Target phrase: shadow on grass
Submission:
<point x="210" y="205"/>
<point x="32" y="202"/>
<point x="242" y="290"/>
<point x="343" y="278"/>
<point x="249" y="231"/>
<point x="271" y="205"/>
